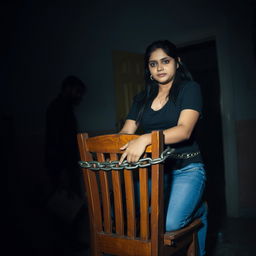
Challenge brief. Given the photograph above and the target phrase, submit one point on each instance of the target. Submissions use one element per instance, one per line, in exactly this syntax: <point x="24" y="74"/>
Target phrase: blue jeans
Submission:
<point x="183" y="191"/>
<point x="183" y="199"/>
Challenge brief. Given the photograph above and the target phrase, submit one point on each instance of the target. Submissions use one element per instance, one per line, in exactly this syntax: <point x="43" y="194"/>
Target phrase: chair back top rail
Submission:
<point x="110" y="143"/>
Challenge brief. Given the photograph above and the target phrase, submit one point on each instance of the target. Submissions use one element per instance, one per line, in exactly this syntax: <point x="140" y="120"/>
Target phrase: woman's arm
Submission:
<point x="129" y="127"/>
<point x="186" y="123"/>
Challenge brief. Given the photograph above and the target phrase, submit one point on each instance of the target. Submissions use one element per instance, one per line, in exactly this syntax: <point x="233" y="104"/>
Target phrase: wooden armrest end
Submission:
<point x="169" y="237"/>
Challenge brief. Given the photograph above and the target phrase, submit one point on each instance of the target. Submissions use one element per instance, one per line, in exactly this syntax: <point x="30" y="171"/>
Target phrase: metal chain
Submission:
<point x="143" y="162"/>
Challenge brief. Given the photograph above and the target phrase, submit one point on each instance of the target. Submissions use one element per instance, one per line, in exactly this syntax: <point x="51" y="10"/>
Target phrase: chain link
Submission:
<point x="142" y="163"/>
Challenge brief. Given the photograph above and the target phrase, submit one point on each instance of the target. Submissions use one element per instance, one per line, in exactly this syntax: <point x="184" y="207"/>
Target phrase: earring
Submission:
<point x="151" y="77"/>
<point x="178" y="64"/>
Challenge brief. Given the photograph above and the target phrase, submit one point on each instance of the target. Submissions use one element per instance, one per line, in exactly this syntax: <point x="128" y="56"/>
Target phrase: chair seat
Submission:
<point x="170" y="237"/>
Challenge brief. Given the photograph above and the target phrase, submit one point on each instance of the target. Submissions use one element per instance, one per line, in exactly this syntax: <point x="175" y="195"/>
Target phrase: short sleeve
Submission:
<point x="134" y="110"/>
<point x="191" y="97"/>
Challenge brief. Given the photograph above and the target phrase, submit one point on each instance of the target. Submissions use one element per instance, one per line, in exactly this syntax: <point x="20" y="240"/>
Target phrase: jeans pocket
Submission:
<point x="192" y="167"/>
<point x="196" y="169"/>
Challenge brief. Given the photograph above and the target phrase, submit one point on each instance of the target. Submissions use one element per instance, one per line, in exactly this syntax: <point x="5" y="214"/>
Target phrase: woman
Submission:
<point x="171" y="102"/>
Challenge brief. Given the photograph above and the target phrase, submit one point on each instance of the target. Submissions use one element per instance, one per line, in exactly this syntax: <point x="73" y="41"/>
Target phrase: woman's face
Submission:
<point x="162" y="67"/>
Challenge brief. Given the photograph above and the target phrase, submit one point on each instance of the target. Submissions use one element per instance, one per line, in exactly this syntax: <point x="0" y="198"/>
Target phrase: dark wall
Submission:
<point x="46" y="41"/>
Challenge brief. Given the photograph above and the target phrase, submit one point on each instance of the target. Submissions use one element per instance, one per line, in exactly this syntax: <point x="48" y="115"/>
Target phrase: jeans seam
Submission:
<point x="191" y="169"/>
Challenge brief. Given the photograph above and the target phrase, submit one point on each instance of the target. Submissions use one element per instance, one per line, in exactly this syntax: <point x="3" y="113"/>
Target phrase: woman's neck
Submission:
<point x="164" y="89"/>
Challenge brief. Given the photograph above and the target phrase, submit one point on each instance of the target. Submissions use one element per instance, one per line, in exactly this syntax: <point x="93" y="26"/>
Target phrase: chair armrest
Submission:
<point x="169" y="237"/>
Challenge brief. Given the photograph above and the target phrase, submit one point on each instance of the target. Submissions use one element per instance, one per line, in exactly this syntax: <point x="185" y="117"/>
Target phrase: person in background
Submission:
<point x="61" y="158"/>
<point x="61" y="150"/>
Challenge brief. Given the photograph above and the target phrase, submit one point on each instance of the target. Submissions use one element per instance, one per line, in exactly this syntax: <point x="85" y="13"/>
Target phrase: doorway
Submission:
<point x="129" y="80"/>
<point x="201" y="60"/>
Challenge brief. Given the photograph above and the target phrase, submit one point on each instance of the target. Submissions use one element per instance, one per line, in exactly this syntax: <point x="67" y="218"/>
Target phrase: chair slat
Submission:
<point x="105" y="195"/>
<point x="144" y="204"/>
<point x="118" y="201"/>
<point x="157" y="198"/>
<point x="130" y="203"/>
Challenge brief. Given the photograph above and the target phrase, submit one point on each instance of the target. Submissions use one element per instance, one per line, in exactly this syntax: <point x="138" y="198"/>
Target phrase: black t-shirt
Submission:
<point x="189" y="97"/>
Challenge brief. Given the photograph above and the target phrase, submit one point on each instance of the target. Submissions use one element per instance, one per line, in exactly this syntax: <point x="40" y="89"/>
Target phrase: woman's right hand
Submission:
<point x="134" y="149"/>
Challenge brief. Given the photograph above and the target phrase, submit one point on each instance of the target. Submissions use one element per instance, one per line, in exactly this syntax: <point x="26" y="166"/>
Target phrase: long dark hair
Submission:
<point x="151" y="86"/>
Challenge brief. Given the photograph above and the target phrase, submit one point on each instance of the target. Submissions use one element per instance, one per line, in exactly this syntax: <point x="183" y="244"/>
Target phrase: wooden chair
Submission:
<point x="116" y="227"/>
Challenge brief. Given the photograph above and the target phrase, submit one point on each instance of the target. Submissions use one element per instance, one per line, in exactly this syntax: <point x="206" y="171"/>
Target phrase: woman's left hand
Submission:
<point x="134" y="149"/>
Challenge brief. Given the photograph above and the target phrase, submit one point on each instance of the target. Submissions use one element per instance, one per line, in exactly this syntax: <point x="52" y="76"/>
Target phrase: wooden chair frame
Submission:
<point x="110" y="231"/>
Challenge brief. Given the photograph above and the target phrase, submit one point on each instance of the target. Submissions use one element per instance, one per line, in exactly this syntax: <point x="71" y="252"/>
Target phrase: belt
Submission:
<point x="184" y="155"/>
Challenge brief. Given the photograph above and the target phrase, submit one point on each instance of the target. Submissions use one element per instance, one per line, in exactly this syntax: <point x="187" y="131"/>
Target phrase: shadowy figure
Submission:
<point x="66" y="199"/>
<point x="61" y="154"/>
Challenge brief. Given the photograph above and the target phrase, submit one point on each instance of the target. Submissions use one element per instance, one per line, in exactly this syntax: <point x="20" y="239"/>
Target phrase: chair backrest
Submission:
<point x="117" y="227"/>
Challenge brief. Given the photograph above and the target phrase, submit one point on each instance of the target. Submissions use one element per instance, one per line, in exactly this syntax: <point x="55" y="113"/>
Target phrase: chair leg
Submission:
<point x="94" y="249"/>
<point x="192" y="249"/>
